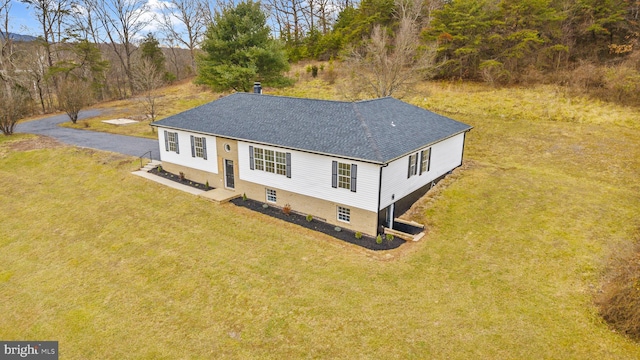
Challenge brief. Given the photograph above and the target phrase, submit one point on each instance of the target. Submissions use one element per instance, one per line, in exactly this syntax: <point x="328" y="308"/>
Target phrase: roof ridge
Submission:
<point x="293" y="97"/>
<point x="367" y="132"/>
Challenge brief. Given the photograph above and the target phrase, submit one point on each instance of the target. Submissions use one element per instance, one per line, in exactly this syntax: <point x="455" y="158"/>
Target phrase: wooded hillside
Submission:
<point x="96" y="47"/>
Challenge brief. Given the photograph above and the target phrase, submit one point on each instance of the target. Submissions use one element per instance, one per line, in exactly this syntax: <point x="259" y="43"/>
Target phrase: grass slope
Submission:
<point x="114" y="266"/>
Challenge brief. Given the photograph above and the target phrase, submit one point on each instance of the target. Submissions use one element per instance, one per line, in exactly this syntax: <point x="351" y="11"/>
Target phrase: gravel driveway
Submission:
<point x="128" y="145"/>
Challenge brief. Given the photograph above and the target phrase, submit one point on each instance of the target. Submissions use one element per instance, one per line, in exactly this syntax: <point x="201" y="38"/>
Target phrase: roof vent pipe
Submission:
<point x="257" y="88"/>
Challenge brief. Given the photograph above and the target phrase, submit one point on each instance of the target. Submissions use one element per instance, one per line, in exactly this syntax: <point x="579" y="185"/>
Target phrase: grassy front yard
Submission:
<point x="113" y="266"/>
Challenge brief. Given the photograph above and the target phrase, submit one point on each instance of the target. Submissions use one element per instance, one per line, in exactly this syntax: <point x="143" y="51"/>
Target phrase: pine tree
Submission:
<point x="239" y="50"/>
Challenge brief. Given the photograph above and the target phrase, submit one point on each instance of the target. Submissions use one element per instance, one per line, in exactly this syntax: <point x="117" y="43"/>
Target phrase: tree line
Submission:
<point x="98" y="48"/>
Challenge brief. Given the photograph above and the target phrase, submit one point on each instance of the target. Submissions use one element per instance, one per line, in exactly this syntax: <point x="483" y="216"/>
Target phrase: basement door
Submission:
<point x="229" y="181"/>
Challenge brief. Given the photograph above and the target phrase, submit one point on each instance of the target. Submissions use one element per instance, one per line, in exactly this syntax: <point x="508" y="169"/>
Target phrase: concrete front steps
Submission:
<point x="150" y="165"/>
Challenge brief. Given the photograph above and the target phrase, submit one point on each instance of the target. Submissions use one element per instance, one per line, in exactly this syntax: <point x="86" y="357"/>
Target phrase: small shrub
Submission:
<point x="181" y="176"/>
<point x="308" y="69"/>
<point x="159" y="168"/>
<point x="358" y="235"/>
<point x="309" y="218"/>
<point x="314" y="71"/>
<point x="389" y="237"/>
<point x="331" y="74"/>
<point x="206" y="185"/>
<point x="379" y="239"/>
<point x="265" y="206"/>
<point x="86" y="124"/>
<point x="244" y="198"/>
<point x="337" y="228"/>
<point x="286" y="209"/>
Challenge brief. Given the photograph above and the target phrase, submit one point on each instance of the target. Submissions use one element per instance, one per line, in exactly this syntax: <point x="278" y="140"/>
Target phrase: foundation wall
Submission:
<point x="361" y="220"/>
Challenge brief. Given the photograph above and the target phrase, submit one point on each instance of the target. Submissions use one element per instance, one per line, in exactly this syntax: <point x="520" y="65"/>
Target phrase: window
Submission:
<point x="425" y="157"/>
<point x="344" y="214"/>
<point x="270" y="161"/>
<point x="171" y="142"/>
<point x="271" y="195"/>
<point x="259" y="159"/>
<point x="413" y="165"/>
<point x="281" y="163"/>
<point x="199" y="147"/>
<point x="227" y="147"/>
<point x="343" y="175"/>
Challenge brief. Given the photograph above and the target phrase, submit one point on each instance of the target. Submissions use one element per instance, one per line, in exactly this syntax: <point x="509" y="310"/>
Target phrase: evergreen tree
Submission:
<point x="150" y="49"/>
<point x="239" y="50"/>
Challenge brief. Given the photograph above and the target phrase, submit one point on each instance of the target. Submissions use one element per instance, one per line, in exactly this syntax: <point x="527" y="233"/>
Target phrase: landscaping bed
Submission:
<point x="349" y="236"/>
<point x="177" y="178"/>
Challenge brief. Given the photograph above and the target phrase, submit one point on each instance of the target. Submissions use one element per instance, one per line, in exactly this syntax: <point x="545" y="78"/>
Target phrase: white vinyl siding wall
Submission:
<point x="445" y="156"/>
<point x="184" y="156"/>
<point x="311" y="175"/>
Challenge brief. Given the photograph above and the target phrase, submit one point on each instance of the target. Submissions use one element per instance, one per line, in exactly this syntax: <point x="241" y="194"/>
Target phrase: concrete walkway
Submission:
<point x="128" y="145"/>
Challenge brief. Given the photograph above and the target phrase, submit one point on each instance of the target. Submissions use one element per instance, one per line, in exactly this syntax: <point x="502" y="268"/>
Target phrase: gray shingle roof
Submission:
<point x="377" y="130"/>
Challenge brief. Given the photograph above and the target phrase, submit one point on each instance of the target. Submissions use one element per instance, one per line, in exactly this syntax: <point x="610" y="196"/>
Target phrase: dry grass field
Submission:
<point x="116" y="267"/>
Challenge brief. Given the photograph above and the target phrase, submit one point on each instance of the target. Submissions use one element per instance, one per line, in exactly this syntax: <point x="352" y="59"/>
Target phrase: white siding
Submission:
<point x="445" y="156"/>
<point x="184" y="157"/>
<point x="311" y="176"/>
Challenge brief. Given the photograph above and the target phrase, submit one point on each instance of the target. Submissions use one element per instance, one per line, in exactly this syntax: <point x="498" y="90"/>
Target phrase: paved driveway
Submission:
<point x="128" y="145"/>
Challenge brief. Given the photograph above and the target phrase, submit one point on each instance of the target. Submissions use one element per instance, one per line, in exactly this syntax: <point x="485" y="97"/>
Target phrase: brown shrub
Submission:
<point x="587" y="76"/>
<point x="619" y="301"/>
<point x="623" y="84"/>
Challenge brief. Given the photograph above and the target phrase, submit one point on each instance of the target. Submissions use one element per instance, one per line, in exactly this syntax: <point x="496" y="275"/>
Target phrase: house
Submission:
<point x="353" y="164"/>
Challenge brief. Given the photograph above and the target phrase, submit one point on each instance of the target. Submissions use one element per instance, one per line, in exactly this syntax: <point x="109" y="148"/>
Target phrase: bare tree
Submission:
<point x="50" y="15"/>
<point x="386" y="66"/>
<point x="147" y="79"/>
<point x="122" y="21"/>
<point x="35" y="67"/>
<point x="190" y="16"/>
<point x="73" y="95"/>
<point x="14" y="96"/>
<point x="84" y="23"/>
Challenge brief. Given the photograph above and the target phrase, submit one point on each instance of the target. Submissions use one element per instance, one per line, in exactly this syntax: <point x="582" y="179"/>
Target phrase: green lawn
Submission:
<point x="114" y="266"/>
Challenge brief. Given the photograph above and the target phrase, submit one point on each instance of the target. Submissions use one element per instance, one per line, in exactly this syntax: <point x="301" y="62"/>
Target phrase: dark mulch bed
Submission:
<point x="176" y="178"/>
<point x="349" y="236"/>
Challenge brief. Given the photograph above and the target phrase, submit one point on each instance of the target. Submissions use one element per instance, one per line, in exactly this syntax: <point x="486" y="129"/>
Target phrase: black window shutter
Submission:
<point x="177" y="145"/>
<point x="251" y="162"/>
<point x="289" y="165"/>
<point x="354" y="170"/>
<point x="193" y="147"/>
<point x="420" y="161"/>
<point x="429" y="163"/>
<point x="334" y="174"/>
<point x="204" y="148"/>
<point x="166" y="141"/>
<point x="409" y="168"/>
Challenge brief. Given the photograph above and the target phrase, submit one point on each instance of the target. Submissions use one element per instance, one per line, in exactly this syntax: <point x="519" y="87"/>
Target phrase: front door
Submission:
<point x="228" y="174"/>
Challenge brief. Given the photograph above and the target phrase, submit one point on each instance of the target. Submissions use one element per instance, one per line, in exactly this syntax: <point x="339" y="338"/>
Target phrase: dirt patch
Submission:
<point x="37" y="142"/>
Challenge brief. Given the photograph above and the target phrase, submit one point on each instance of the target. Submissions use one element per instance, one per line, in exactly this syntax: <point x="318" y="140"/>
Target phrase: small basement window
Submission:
<point x="344" y="214"/>
<point x="271" y="195"/>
